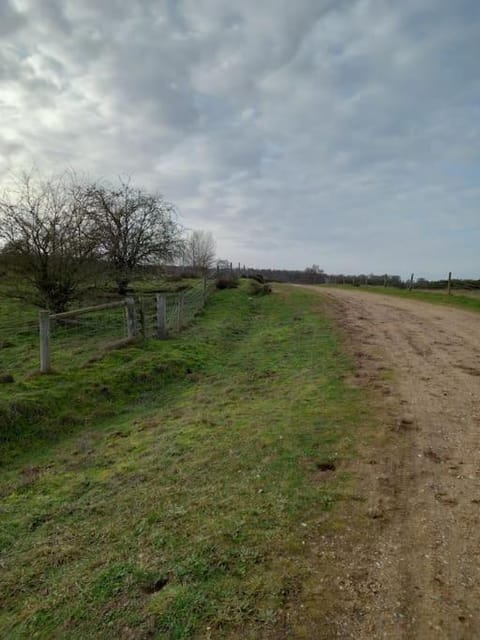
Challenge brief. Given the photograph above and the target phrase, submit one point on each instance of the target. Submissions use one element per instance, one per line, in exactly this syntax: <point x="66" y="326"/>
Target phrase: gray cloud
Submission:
<point x="341" y="133"/>
<point x="10" y="19"/>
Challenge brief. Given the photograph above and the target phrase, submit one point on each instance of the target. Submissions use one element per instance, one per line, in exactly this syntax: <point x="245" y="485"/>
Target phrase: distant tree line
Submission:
<point x="387" y="280"/>
<point x="59" y="233"/>
<point x="315" y="275"/>
<point x="456" y="283"/>
<point x="288" y="275"/>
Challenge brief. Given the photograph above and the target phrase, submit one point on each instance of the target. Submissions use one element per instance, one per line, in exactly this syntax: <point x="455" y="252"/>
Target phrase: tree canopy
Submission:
<point x="49" y="237"/>
<point x="57" y="232"/>
<point x="133" y="227"/>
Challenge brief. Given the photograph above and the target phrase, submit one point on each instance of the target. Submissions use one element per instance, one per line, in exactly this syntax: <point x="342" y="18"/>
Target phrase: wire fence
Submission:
<point x="180" y="309"/>
<point x="72" y="339"/>
<point x="17" y="336"/>
<point x="86" y="333"/>
<point x="82" y="337"/>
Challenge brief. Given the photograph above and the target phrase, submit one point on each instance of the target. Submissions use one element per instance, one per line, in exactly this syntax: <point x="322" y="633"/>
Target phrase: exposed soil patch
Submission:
<point x="326" y="466"/>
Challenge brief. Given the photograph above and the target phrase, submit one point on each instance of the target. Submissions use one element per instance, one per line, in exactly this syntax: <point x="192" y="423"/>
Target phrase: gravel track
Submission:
<point x="422" y="576"/>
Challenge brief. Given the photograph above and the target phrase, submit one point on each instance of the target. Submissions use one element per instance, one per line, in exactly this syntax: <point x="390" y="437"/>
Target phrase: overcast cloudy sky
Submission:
<point x="339" y="132"/>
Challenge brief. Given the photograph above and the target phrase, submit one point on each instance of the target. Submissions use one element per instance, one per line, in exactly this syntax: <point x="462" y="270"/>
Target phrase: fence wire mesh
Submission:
<point x="181" y="308"/>
<point x="18" y="343"/>
<point x="82" y="337"/>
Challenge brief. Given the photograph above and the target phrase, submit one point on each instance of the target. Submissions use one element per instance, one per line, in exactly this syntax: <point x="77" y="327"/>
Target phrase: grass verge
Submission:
<point x="185" y="500"/>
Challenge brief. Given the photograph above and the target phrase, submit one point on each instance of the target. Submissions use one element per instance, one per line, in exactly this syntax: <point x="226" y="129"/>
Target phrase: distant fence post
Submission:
<point x="44" y="324"/>
<point x="449" y="286"/>
<point x="131" y="317"/>
<point x="161" y="315"/>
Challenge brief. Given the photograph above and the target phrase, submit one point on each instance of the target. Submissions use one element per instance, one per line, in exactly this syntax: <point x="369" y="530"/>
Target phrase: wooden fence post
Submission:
<point x="161" y="315"/>
<point x="449" y="287"/>
<point x="44" y="324"/>
<point x="142" y="317"/>
<point x="179" y="310"/>
<point x="204" y="289"/>
<point x="131" y="317"/>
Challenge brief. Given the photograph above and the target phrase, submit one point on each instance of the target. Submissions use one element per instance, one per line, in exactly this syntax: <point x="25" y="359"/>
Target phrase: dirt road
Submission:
<point x="422" y="577"/>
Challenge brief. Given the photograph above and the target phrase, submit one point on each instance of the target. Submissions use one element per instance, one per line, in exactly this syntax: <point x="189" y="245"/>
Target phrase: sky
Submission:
<point x="344" y="133"/>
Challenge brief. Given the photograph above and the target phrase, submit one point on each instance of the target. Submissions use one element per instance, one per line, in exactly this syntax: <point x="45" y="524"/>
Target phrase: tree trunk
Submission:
<point x="122" y="287"/>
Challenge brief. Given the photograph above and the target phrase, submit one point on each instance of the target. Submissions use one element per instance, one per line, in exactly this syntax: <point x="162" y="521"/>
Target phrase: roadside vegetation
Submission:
<point x="174" y="489"/>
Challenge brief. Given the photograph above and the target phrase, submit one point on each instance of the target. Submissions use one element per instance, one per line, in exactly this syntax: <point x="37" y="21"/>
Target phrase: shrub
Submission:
<point x="227" y="282"/>
<point x="260" y="289"/>
<point x="190" y="274"/>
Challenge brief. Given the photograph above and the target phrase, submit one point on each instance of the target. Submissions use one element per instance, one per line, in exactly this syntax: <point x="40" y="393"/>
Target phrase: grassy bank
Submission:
<point x="465" y="301"/>
<point x="185" y="496"/>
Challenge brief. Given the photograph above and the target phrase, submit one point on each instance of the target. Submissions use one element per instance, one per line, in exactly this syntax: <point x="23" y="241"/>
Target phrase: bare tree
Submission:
<point x="200" y="251"/>
<point x="48" y="236"/>
<point x="133" y="228"/>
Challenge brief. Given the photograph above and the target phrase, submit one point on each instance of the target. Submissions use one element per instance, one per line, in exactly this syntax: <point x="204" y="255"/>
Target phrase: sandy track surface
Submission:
<point x="422" y="577"/>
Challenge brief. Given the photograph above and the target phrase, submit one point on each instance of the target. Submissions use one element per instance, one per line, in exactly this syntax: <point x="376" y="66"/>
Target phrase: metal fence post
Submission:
<point x="44" y="324"/>
<point x="161" y="315"/>
<point x="131" y="317"/>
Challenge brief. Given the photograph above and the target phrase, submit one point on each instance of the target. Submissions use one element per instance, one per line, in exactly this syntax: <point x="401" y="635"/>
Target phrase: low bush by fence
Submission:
<point x="88" y="330"/>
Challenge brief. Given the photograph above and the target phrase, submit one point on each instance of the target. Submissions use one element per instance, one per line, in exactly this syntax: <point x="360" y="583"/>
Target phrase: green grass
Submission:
<point x="465" y="301"/>
<point x="172" y="490"/>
